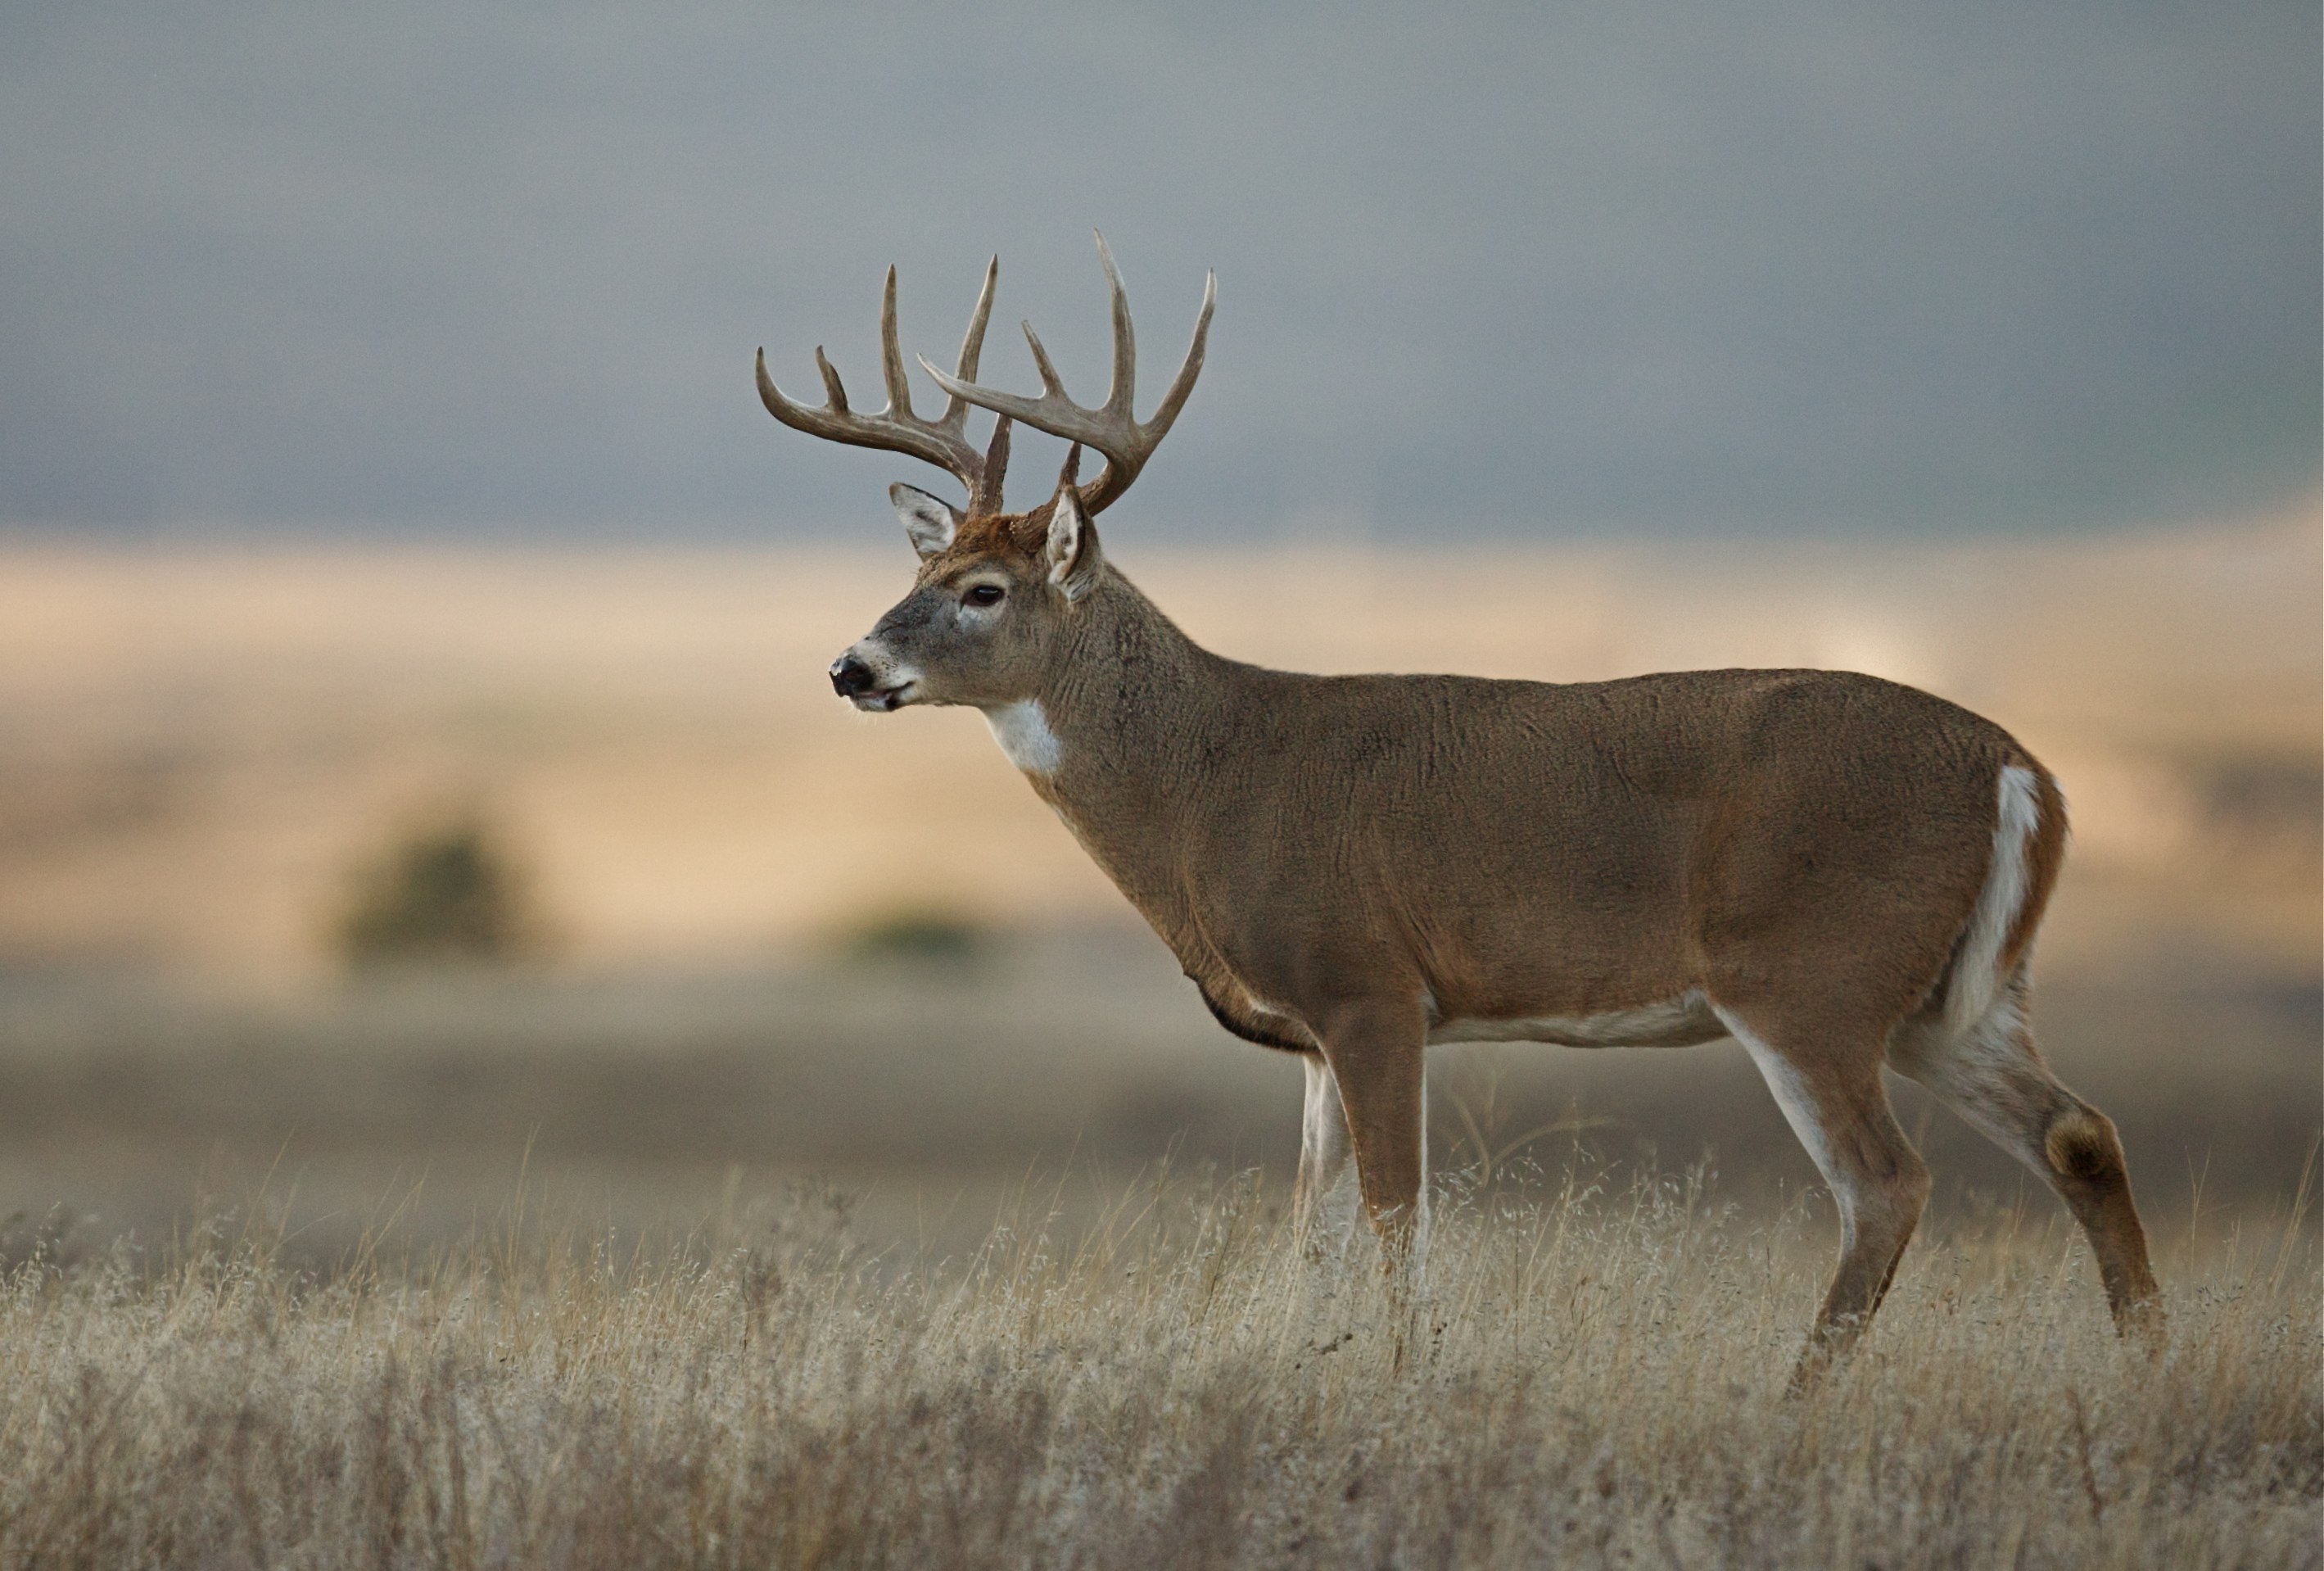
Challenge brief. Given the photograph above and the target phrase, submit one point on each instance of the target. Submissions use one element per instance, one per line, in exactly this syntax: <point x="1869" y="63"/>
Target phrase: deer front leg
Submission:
<point x="1318" y="1223"/>
<point x="1373" y="1051"/>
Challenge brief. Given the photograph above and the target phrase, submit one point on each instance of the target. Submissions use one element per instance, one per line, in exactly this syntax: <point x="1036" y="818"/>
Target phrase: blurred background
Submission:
<point x="416" y="762"/>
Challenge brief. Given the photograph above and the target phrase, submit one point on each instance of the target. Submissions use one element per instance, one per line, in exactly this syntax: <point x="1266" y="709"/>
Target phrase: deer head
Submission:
<point x="998" y="593"/>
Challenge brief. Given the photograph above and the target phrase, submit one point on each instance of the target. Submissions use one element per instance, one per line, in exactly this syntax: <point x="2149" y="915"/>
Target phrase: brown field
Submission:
<point x="199" y="745"/>
<point x="377" y="1361"/>
<point x="1595" y="1377"/>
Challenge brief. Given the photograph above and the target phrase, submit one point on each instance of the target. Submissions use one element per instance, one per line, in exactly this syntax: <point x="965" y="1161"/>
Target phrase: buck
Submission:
<point x="1838" y="871"/>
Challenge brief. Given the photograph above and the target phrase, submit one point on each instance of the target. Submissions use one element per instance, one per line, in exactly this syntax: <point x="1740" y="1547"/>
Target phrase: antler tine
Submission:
<point x="895" y="429"/>
<point x="833" y="392"/>
<point x="971" y="347"/>
<point x="892" y="356"/>
<point x="1051" y="382"/>
<point x="1181" y="385"/>
<point x="1121" y="394"/>
<point x="1112" y="427"/>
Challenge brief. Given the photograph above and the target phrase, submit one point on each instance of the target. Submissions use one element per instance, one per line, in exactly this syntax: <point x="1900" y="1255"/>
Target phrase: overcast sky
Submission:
<point x="1675" y="266"/>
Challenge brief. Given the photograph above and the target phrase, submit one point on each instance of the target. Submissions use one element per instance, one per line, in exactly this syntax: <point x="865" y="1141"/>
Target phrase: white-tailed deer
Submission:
<point x="1838" y="871"/>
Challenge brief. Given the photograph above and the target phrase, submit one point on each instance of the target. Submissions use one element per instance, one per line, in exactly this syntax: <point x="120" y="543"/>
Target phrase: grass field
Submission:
<point x="1596" y="1377"/>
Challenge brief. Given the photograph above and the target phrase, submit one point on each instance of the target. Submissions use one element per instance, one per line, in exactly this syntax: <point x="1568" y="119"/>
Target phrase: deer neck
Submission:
<point x="1113" y="739"/>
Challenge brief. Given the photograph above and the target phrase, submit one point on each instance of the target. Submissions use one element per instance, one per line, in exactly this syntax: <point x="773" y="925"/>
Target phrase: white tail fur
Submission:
<point x="1977" y="976"/>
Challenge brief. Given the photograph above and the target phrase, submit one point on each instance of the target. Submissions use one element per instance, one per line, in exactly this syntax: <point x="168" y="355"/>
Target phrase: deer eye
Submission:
<point x="984" y="595"/>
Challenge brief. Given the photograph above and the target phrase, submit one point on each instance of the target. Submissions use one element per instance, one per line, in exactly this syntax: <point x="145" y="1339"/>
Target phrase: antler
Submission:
<point x="942" y="442"/>
<point x="1112" y="429"/>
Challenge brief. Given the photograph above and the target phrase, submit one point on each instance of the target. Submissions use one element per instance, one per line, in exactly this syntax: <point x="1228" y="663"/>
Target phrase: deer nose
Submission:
<point x="850" y="676"/>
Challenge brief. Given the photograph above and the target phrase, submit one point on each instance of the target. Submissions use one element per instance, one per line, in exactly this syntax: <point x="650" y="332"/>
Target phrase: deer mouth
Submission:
<point x="886" y="700"/>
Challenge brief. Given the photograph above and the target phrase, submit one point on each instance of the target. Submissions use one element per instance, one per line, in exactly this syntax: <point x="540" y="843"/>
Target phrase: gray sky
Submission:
<point x="1525" y="271"/>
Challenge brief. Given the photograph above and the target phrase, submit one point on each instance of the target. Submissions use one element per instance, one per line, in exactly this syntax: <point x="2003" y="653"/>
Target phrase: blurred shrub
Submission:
<point x="446" y="892"/>
<point x="923" y="935"/>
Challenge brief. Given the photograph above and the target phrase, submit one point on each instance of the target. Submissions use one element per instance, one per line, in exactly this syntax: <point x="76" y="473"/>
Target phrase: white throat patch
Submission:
<point x="1022" y="729"/>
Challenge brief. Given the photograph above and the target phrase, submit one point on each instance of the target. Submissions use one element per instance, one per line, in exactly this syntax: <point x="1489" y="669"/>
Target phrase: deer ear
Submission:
<point x="1072" y="550"/>
<point x="931" y="522"/>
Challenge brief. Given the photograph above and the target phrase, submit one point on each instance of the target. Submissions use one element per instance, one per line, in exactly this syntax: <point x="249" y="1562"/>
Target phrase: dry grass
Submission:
<point x="1598" y="1379"/>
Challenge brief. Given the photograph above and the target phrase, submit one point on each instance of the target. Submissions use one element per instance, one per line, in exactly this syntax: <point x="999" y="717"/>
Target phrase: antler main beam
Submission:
<point x="942" y="442"/>
<point x="1112" y="428"/>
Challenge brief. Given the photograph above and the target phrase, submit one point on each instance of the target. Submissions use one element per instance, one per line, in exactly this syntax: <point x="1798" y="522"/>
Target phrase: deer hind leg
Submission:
<point x="1835" y="1102"/>
<point x="1991" y="1075"/>
<point x="1323" y="1205"/>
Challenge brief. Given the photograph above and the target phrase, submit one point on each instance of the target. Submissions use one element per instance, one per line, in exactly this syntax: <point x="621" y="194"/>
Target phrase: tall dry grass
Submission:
<point x="1598" y="1377"/>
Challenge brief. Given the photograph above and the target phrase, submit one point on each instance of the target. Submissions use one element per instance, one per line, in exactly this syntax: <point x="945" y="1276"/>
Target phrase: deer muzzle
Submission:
<point x="868" y="686"/>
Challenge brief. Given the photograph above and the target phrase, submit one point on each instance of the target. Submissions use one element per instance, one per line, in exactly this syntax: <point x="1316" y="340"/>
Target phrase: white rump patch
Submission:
<point x="1022" y="729"/>
<point x="1977" y="976"/>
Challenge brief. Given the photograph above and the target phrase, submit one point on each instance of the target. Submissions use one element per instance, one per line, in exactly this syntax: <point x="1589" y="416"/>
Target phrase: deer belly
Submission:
<point x="1672" y="1022"/>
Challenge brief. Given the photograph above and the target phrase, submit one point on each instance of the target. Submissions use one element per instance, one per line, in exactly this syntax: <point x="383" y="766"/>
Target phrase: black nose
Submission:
<point x="850" y="677"/>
